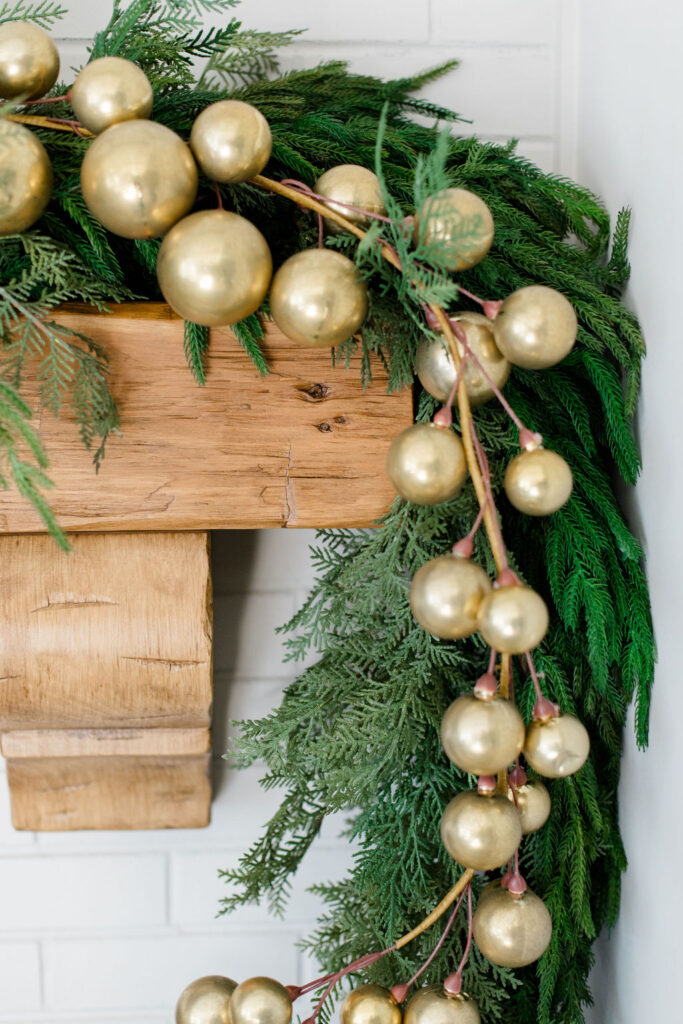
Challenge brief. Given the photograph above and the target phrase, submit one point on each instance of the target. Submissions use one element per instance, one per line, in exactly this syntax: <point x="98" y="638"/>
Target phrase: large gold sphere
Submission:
<point x="459" y="223"/>
<point x="445" y="596"/>
<point x="206" y="1001"/>
<point x="513" y="619"/>
<point x="29" y="61"/>
<point x="556" y="747"/>
<point x="512" y="931"/>
<point x="25" y="178"/>
<point x="231" y="141"/>
<point x="533" y="804"/>
<point x="538" y="482"/>
<point x="318" y="299"/>
<point x="482" y="736"/>
<point x="426" y="464"/>
<point x="436" y="370"/>
<point x="481" y="832"/>
<point x="369" y="1004"/>
<point x="260" y="1001"/>
<point x="214" y="267"/>
<point x="110" y="90"/>
<point x="536" y="327"/>
<point x="433" y="1006"/>
<point x="352" y="184"/>
<point x="138" y="178"/>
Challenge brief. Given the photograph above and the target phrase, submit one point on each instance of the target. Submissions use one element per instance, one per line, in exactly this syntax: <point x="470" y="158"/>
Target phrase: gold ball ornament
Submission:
<point x="231" y="141"/>
<point x="214" y="267"/>
<point x="426" y="464"/>
<point x="25" y="178"/>
<point x="511" y="931"/>
<point x="317" y="298"/>
<point x="353" y="185"/>
<point x="533" y="804"/>
<point x="206" y="1001"/>
<point x="29" y="61"/>
<point x="538" y="482"/>
<point x="110" y="90"/>
<point x="482" y="736"/>
<point x="436" y="370"/>
<point x="459" y="223"/>
<point x="556" y="747"/>
<point x="138" y="178"/>
<point x="513" y="619"/>
<point x="434" y="1006"/>
<point x="370" y="1004"/>
<point x="536" y="327"/>
<point x="445" y="596"/>
<point x="260" y="1001"/>
<point x="480" y="832"/>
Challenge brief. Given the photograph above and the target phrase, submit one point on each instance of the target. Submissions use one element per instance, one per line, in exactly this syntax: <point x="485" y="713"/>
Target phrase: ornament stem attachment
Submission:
<point x="453" y="983"/>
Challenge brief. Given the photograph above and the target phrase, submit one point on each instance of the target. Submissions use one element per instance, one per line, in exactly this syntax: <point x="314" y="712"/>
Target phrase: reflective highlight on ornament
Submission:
<point x="538" y="482"/>
<point x="231" y="141"/>
<point x="25" y="178"/>
<point x="480" y="832"/>
<point x="557" y="747"/>
<point x="369" y="1004"/>
<point x="110" y="90"/>
<point x="206" y="1001"/>
<point x="350" y="185"/>
<point x="532" y="800"/>
<point x="482" y="736"/>
<point x="260" y="1001"/>
<point x="433" y="1006"/>
<point x="426" y="464"/>
<point x="459" y="224"/>
<point x="29" y="61"/>
<point x="536" y="327"/>
<point x="436" y="370"/>
<point x="511" y="931"/>
<point x="513" y="619"/>
<point x="446" y="594"/>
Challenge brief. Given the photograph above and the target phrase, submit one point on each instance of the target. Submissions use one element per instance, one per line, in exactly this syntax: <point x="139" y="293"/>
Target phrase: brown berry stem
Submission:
<point x="453" y="983"/>
<point x="444" y="935"/>
<point x="59" y="124"/>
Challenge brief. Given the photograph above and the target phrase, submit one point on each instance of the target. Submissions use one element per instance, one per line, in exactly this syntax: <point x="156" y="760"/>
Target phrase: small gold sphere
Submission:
<point x="318" y="298"/>
<point x="29" y="61"/>
<point x="138" y="178"/>
<point x="231" y="141"/>
<point x="352" y="184"/>
<point x="538" y="482"/>
<point x="556" y="747"/>
<point x="260" y="1001"/>
<point x="512" y="931"/>
<point x="110" y="90"/>
<point x="480" y="832"/>
<point x="459" y="223"/>
<point x="445" y="596"/>
<point x="536" y="327"/>
<point x="369" y="1004"/>
<point x="25" y="178"/>
<point x="206" y="1001"/>
<point x="214" y="267"/>
<point x="436" y="371"/>
<point x="434" y="1006"/>
<point x="533" y="804"/>
<point x="426" y="464"/>
<point x="482" y="737"/>
<point x="513" y="619"/>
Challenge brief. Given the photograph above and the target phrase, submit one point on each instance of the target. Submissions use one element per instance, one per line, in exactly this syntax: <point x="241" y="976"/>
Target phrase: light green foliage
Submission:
<point x="44" y="12"/>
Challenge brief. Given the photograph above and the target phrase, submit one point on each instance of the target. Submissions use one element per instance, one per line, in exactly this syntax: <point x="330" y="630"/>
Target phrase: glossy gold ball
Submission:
<point x="480" y="832"/>
<point x="433" y="1006"/>
<point x="25" y="178"/>
<point x="536" y="327"/>
<point x="482" y="736"/>
<point x="538" y="482"/>
<point x="354" y="185"/>
<point x="445" y="596"/>
<point x="556" y="747"/>
<point x="512" y="931"/>
<point x="260" y="1001"/>
<point x="206" y="1001"/>
<point x="138" y="178"/>
<point x="369" y="1004"/>
<point x="29" y="61"/>
<point x="436" y="370"/>
<point x="459" y="224"/>
<point x="533" y="804"/>
<point x="110" y="90"/>
<point x="231" y="141"/>
<point x="513" y="619"/>
<point x="426" y="464"/>
<point x="214" y="268"/>
<point x="318" y="298"/>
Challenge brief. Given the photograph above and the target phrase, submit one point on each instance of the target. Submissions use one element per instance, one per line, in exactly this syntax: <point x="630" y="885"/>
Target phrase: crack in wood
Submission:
<point x="72" y="601"/>
<point x="170" y="662"/>
<point x="290" y="496"/>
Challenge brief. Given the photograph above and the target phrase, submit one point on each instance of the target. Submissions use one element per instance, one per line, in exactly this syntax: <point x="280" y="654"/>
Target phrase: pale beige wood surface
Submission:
<point x="103" y="742"/>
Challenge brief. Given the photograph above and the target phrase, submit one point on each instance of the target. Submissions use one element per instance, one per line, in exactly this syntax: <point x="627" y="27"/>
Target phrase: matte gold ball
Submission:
<point x="260" y="1001"/>
<point x="318" y="298"/>
<point x="481" y="832"/>
<point x="536" y="327"/>
<point x="138" y="178"/>
<point x="538" y="482"/>
<point x="110" y="90"/>
<point x="556" y="747"/>
<point x="436" y="370"/>
<point x="206" y="1001"/>
<point x="353" y="185"/>
<point x="445" y="596"/>
<point x="482" y="736"/>
<point x="25" y="178"/>
<point x="231" y="141"/>
<point x="29" y="61"/>
<point x="512" y="931"/>
<point x="433" y="1006"/>
<point x="459" y="223"/>
<point x="513" y="619"/>
<point x="214" y="268"/>
<point x="369" y="1004"/>
<point x="533" y="804"/>
<point x="426" y="464"/>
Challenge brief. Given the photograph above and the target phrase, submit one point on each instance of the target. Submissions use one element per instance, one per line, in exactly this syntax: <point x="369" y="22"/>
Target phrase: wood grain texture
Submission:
<point x="304" y="446"/>
<point x="103" y="742"/>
